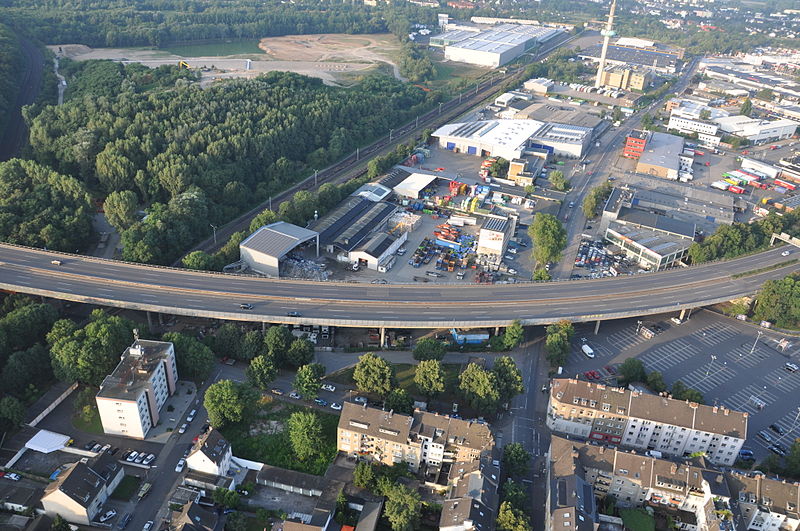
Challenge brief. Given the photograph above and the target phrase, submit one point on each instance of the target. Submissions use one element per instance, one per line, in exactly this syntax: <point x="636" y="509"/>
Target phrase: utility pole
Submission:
<point x="214" y="227"/>
<point x="440" y="108"/>
<point x="391" y="132"/>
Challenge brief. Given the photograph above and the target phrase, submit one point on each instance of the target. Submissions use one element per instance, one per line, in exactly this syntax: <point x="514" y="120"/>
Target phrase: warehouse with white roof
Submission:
<point x="497" y="46"/>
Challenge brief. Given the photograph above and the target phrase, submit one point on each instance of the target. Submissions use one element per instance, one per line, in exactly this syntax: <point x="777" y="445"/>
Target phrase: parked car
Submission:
<point x="328" y="387"/>
<point x="148" y="525"/>
<point x="360" y="400"/>
<point x="181" y="464"/>
<point x="125" y="520"/>
<point x="295" y="395"/>
<point x="336" y="406"/>
<point x="777" y="429"/>
<point x="105" y="448"/>
<point x="126" y="453"/>
<point x="764" y="434"/>
<point x="108" y="515"/>
<point x="191" y="415"/>
<point x="89" y="445"/>
<point x="791" y="367"/>
<point x="140" y="458"/>
<point x="97" y="447"/>
<point x="12" y="476"/>
<point x="320" y="402"/>
<point x="276" y="391"/>
<point x="114" y="450"/>
<point x="149" y="459"/>
<point x="183" y="428"/>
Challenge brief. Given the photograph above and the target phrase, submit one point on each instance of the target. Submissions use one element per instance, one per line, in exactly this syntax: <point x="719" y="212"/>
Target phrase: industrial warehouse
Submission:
<point x="627" y="51"/>
<point x="492" y="47"/>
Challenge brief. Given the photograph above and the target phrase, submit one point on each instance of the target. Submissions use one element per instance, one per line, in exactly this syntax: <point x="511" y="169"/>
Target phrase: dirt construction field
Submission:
<point x="323" y="56"/>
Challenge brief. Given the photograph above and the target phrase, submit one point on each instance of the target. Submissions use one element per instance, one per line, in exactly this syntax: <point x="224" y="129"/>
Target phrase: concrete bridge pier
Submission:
<point x="383" y="337"/>
<point x="596" y="327"/>
<point x="263" y="327"/>
<point x="497" y="330"/>
<point x="685" y="314"/>
<point x="150" y="322"/>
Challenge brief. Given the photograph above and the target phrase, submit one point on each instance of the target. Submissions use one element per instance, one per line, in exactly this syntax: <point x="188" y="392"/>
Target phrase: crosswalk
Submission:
<point x="749" y="398"/>
<point x="669" y="355"/>
<point x="715" y="334"/>
<point x="708" y="378"/>
<point x="624" y="339"/>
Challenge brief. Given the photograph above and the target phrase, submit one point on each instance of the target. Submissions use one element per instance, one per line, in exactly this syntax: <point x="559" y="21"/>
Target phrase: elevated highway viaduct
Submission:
<point x="213" y="295"/>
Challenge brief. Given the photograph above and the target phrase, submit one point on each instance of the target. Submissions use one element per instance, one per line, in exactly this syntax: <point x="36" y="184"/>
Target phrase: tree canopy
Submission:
<point x="479" y="388"/>
<point x="193" y="359"/>
<point x="557" y="342"/>
<point x="373" y="374"/>
<point x="228" y="402"/>
<point x="307" y="381"/>
<point x="90" y="353"/>
<point x="428" y="348"/>
<point x="778" y="301"/>
<point x="429" y="378"/>
<point x="43" y="208"/>
<point x="305" y="434"/>
<point x="548" y="236"/>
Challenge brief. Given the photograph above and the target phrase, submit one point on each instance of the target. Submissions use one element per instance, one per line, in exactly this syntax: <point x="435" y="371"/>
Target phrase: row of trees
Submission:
<point x="730" y="241"/>
<point x="557" y="341"/>
<point x="778" y="301"/>
<point x="558" y="66"/>
<point x="200" y="156"/>
<point x="514" y="511"/>
<point x="596" y="197"/>
<point x="403" y="505"/>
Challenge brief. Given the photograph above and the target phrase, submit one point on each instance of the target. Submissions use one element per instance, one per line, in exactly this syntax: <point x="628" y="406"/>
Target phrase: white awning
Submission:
<point x="47" y="441"/>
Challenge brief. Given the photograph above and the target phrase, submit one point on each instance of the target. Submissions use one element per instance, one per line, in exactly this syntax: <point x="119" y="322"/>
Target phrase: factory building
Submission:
<point x="512" y="139"/>
<point x="263" y="250"/>
<point x="656" y="57"/>
<point x="494" y="236"/>
<point x="651" y="249"/>
<point x="659" y="154"/>
<point x="378" y="253"/>
<point x="351" y="222"/>
<point x="746" y="78"/>
<point x="493" y="47"/>
<point x="627" y="77"/>
<point x="758" y="131"/>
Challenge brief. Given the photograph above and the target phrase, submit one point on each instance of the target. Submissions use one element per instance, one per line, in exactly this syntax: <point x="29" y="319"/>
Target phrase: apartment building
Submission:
<point x="131" y="397"/>
<point x="615" y="415"/>
<point x="79" y="492"/>
<point x="423" y="438"/>
<point x="473" y="495"/>
<point x="766" y="504"/>
<point x="695" y="496"/>
<point x="627" y="77"/>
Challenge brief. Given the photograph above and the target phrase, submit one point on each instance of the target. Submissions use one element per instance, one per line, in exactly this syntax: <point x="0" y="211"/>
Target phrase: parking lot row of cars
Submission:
<point x="593" y="256"/>
<point x="318" y="401"/>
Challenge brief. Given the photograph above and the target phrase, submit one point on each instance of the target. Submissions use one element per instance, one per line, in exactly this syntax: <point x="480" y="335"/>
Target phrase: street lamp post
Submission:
<point x="753" y="348"/>
<point x="710" y="365"/>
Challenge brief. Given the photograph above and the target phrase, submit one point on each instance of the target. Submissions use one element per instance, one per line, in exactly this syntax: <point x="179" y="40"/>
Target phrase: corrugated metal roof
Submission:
<point x="277" y="239"/>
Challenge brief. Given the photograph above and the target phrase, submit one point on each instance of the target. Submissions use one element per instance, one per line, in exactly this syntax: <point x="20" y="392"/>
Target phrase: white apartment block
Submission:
<point x="645" y="422"/>
<point x="131" y="397"/>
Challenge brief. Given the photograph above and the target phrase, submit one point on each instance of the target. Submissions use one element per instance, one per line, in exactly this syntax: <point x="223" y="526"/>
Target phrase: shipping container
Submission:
<point x="736" y="189"/>
<point x="785" y="184"/>
<point x="720" y="185"/>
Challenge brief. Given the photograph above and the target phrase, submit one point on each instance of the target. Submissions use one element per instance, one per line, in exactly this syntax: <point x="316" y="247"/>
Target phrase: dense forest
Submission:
<point x="203" y="156"/>
<point x="10" y="66"/>
<point x="160" y="22"/>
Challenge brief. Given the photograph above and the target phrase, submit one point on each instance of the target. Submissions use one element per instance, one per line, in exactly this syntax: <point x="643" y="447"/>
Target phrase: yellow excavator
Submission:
<point x="183" y="64"/>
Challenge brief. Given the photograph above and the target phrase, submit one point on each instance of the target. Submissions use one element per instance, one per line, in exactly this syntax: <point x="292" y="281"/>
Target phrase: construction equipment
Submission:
<point x="183" y="64"/>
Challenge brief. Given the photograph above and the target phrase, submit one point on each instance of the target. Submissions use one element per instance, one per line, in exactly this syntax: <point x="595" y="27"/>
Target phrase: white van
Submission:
<point x="654" y="453"/>
<point x="588" y="351"/>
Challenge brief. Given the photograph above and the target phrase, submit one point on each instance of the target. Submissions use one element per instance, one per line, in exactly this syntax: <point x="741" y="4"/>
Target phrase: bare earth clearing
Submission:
<point x="323" y="56"/>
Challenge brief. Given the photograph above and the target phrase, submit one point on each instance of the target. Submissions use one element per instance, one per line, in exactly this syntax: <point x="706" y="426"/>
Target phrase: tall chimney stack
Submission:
<point x="607" y="34"/>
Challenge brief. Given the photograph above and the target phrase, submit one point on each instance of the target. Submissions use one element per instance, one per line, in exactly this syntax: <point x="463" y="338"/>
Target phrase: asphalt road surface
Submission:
<point x="13" y="138"/>
<point x="181" y="292"/>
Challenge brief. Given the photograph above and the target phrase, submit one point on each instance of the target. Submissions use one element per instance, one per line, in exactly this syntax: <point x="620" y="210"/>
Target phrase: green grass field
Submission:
<point x="95" y="426"/>
<point x="276" y="449"/>
<point x="126" y="488"/>
<point x="638" y="520"/>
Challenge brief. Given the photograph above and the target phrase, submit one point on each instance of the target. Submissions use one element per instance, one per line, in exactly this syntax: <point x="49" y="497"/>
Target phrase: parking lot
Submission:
<point x="727" y="361"/>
